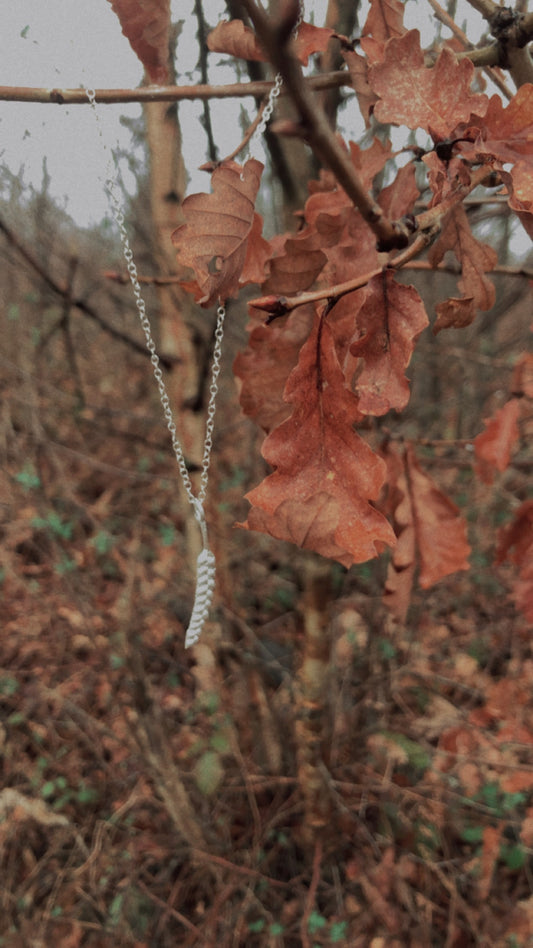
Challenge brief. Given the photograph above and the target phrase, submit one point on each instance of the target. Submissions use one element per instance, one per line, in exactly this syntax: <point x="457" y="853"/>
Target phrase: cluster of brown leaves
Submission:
<point x="309" y="381"/>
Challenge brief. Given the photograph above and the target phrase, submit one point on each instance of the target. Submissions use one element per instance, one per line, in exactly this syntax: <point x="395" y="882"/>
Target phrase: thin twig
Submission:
<point x="63" y="291"/>
<point x="234" y="90"/>
<point x="488" y="51"/>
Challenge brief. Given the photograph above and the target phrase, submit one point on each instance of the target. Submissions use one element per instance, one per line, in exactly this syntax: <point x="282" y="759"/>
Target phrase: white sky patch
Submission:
<point x="74" y="43"/>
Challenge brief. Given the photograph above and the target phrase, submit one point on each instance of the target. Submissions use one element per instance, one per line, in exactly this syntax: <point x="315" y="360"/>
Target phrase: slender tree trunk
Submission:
<point x="313" y="718"/>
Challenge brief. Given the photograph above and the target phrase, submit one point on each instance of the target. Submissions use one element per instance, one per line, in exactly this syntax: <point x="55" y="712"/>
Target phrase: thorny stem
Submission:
<point x="275" y="39"/>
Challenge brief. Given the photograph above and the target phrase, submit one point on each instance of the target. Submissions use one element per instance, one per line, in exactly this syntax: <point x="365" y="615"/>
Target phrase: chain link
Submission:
<point x="111" y="187"/>
<point x="278" y="82"/>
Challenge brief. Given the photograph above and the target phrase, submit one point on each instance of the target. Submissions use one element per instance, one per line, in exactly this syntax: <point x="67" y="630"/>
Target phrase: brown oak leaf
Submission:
<point x="325" y="474"/>
<point x="505" y="136"/>
<point x="436" y="99"/>
<point x="475" y="259"/>
<point x="522" y="381"/>
<point x="240" y="41"/>
<point x="431" y="533"/>
<point x="388" y="324"/>
<point x="384" y="21"/>
<point x="494" y="446"/>
<point x="358" y="69"/>
<point x="266" y="363"/>
<point x="214" y="241"/>
<point x="146" y="25"/>
<point x="516" y="544"/>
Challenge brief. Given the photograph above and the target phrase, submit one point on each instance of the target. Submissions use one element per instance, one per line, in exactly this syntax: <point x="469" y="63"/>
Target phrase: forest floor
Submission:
<point x="153" y="797"/>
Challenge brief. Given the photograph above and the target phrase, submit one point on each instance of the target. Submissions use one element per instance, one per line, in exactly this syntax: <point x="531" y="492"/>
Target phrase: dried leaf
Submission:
<point x="388" y="324"/>
<point x="439" y="528"/>
<point x="494" y="446"/>
<point x="214" y="240"/>
<point x="325" y="475"/>
<point x="240" y="41"/>
<point x="489" y="856"/>
<point x="146" y="24"/>
<point x="311" y="39"/>
<point x="266" y="364"/>
<point x="516" y="544"/>
<point x="430" y="532"/>
<point x="505" y="136"/>
<point x="522" y="381"/>
<point x="358" y="69"/>
<point x="384" y="22"/>
<point x="436" y="99"/>
<point x="297" y="266"/>
<point x="454" y="313"/>
<point x="236" y="39"/>
<point x="475" y="259"/>
<point x="398" y="198"/>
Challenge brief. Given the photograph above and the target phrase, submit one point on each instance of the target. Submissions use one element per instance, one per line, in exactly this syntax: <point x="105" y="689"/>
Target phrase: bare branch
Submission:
<point x="487" y="56"/>
<point x="428" y="222"/>
<point x="235" y="90"/>
<point x="63" y="291"/>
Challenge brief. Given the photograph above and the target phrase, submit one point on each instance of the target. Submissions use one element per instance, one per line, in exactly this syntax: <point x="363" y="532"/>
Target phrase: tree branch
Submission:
<point x="63" y="291"/>
<point x="233" y="90"/>
<point x="428" y="225"/>
<point x="275" y="39"/>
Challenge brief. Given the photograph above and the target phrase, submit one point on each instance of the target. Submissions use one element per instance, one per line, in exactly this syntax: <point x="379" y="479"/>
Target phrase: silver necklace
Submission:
<point x="205" y="564"/>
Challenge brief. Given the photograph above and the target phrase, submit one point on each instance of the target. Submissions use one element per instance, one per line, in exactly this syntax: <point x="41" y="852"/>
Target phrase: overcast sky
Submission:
<point x="71" y="43"/>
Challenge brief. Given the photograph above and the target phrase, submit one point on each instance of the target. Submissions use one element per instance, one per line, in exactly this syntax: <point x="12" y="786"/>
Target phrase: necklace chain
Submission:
<point x="205" y="570"/>
<point x="111" y="186"/>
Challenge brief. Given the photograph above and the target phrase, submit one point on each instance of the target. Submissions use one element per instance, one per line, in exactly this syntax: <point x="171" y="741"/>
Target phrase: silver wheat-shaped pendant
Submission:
<point x="205" y="584"/>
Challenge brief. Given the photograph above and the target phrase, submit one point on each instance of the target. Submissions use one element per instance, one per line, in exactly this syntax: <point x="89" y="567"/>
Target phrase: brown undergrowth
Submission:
<point x="154" y="798"/>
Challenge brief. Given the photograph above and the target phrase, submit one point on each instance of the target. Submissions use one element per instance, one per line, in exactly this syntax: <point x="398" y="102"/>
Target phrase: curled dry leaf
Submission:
<point x="494" y="446"/>
<point x="505" y="137"/>
<point x="219" y="237"/>
<point x="384" y="22"/>
<point x="146" y="24"/>
<point x="475" y="259"/>
<point x="436" y="99"/>
<point x="238" y="40"/>
<point x="388" y="324"/>
<point x="516" y="544"/>
<point x="325" y="475"/>
<point x="431" y="533"/>
<point x="266" y="363"/>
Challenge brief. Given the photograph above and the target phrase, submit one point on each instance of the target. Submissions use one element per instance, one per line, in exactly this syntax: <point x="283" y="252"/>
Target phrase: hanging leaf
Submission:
<point x="384" y="22"/>
<point x="266" y="363"/>
<point x="236" y="39"/>
<point x="388" y="324"/>
<point x="436" y="99"/>
<point x="505" y="137"/>
<point x="325" y="475"/>
<point x="214" y="240"/>
<point x="358" y="69"/>
<point x="475" y="259"/>
<point x="439" y="529"/>
<point x="494" y="446"/>
<point x="431" y="534"/>
<point x="240" y="41"/>
<point x="516" y="544"/>
<point x="522" y="381"/>
<point x="146" y="25"/>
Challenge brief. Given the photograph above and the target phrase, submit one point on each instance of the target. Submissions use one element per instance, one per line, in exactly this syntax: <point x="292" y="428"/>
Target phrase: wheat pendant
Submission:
<point x="205" y="582"/>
